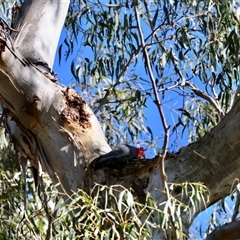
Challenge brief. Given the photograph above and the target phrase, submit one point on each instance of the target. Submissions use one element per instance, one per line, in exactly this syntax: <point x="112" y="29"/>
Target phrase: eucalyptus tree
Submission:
<point x="189" y="51"/>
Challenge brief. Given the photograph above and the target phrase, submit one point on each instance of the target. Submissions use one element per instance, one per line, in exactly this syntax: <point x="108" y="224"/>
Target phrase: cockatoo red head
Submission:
<point x="140" y="152"/>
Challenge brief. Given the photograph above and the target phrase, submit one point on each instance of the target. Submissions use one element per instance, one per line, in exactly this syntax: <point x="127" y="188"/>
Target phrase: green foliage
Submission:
<point x="193" y="54"/>
<point x="23" y="214"/>
<point x="193" y="41"/>
<point x="108" y="212"/>
<point x="105" y="215"/>
<point x="112" y="212"/>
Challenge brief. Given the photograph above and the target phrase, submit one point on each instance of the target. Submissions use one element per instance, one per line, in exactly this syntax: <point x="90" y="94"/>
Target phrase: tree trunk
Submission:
<point x="227" y="231"/>
<point x="54" y="128"/>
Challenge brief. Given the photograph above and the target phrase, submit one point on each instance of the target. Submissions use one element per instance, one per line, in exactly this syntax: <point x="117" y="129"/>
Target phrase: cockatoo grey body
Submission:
<point x="119" y="157"/>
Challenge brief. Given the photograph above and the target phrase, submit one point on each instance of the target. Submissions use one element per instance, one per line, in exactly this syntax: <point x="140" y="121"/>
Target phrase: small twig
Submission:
<point x="184" y="81"/>
<point x="205" y="96"/>
<point x="157" y="102"/>
<point x="163" y="174"/>
<point x="23" y="163"/>
<point x="8" y="27"/>
<point x="169" y="88"/>
<point x="103" y="101"/>
<point x="47" y="211"/>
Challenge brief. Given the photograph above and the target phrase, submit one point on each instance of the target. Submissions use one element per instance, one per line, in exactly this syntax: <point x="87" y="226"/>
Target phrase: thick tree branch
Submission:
<point x="213" y="160"/>
<point x="227" y="231"/>
<point x="205" y="96"/>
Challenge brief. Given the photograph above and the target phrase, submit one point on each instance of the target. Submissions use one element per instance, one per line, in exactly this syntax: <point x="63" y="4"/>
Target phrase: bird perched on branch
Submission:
<point x="119" y="157"/>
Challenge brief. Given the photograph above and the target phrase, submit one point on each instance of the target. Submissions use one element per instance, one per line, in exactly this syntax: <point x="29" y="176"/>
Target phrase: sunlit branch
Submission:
<point x="205" y="96"/>
<point x="156" y="101"/>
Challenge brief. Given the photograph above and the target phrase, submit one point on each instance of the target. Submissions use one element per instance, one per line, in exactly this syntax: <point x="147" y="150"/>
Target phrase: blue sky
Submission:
<point x="152" y="116"/>
<point x="65" y="78"/>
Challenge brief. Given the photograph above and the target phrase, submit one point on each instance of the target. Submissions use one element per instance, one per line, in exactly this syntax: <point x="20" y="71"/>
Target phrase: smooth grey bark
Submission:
<point x="54" y="128"/>
<point x="40" y="29"/>
<point x="44" y="118"/>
